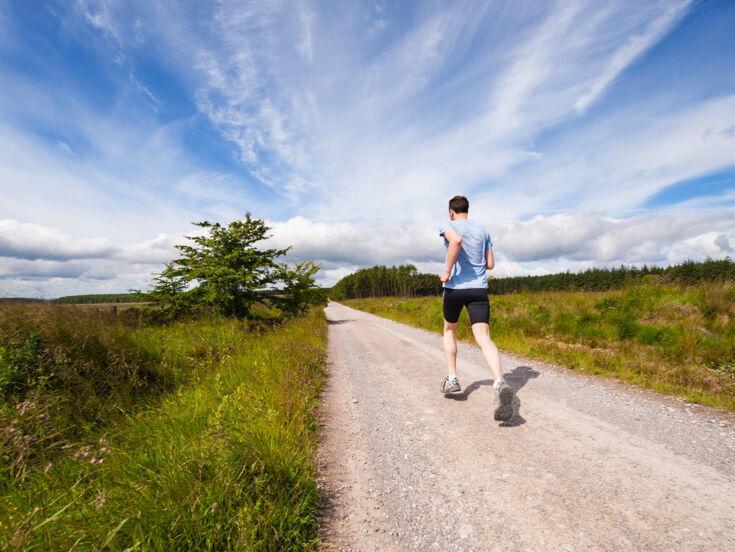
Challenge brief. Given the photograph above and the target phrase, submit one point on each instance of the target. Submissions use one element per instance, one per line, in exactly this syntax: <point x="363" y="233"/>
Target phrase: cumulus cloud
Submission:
<point x="544" y="243"/>
<point x="34" y="241"/>
<point x="650" y="238"/>
<point x="158" y="250"/>
<point x="44" y="261"/>
<point x="374" y="242"/>
<point x="42" y="269"/>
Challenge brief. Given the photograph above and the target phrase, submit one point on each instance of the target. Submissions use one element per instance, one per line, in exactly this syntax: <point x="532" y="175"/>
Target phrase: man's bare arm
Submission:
<point x="455" y="246"/>
<point x="489" y="259"/>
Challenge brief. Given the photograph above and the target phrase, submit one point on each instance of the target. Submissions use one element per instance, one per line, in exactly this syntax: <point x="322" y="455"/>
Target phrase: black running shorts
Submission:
<point x="474" y="299"/>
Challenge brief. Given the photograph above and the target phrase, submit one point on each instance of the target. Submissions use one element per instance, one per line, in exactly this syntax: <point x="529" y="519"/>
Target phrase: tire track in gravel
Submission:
<point x="586" y="463"/>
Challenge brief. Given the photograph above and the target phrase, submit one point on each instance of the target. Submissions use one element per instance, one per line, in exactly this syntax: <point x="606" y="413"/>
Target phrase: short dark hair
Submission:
<point x="459" y="204"/>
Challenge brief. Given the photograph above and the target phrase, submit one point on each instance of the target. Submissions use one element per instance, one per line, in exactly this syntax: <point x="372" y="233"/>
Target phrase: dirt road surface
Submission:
<point x="586" y="463"/>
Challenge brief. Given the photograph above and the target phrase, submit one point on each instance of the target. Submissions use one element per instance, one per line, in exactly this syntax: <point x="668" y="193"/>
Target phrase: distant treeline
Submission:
<point x="382" y="281"/>
<point x="603" y="279"/>
<point x="406" y="281"/>
<point x="101" y="298"/>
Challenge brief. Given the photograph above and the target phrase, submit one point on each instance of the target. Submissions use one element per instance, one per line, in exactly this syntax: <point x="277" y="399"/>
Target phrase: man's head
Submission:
<point x="458" y="207"/>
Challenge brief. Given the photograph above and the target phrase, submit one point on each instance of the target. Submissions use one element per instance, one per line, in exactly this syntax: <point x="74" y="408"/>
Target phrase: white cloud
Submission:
<point x="357" y="244"/>
<point x="379" y="149"/>
<point x="156" y="251"/>
<point x="649" y="238"/>
<point x="620" y="160"/>
<point x="36" y="261"/>
<point x="33" y="241"/>
<point x="138" y="181"/>
<point x="305" y="46"/>
<point x="633" y="48"/>
<point x="539" y="245"/>
<point x="457" y="95"/>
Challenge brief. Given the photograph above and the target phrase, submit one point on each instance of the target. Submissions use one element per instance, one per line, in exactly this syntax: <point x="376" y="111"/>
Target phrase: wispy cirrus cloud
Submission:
<point x="353" y="127"/>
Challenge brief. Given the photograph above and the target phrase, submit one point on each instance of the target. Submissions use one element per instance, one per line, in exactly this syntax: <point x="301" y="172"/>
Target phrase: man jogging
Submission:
<point x="469" y="255"/>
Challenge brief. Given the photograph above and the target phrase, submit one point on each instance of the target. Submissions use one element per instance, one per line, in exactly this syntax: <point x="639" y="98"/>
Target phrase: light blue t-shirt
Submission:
<point x="470" y="270"/>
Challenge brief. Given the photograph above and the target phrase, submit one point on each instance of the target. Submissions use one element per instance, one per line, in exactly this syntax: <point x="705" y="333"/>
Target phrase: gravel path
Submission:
<point x="586" y="463"/>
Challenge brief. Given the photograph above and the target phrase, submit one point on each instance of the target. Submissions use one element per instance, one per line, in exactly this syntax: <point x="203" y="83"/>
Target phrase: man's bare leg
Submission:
<point x="450" y="347"/>
<point x="503" y="392"/>
<point x="481" y="332"/>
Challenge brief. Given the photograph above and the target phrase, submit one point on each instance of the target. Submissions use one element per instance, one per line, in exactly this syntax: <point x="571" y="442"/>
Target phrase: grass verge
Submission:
<point x="222" y="458"/>
<point x="678" y="341"/>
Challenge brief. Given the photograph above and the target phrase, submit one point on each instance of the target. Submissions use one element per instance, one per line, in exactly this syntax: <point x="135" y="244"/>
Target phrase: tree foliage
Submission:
<point x="298" y="290"/>
<point x="169" y="294"/>
<point x="224" y="269"/>
<point x="604" y="279"/>
<point x="381" y="281"/>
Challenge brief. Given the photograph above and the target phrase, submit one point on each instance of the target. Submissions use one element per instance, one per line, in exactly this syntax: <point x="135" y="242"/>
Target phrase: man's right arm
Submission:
<point x="455" y="246"/>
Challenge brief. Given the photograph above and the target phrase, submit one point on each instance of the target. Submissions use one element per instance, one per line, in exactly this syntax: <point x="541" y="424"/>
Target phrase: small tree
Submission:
<point x="170" y="295"/>
<point x="223" y="269"/>
<point x="298" y="290"/>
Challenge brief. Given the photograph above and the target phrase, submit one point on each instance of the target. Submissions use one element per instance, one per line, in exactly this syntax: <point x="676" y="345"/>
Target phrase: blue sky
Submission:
<point x="584" y="133"/>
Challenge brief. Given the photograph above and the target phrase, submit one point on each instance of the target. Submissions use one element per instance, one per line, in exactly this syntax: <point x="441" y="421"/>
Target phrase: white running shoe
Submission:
<point x="450" y="385"/>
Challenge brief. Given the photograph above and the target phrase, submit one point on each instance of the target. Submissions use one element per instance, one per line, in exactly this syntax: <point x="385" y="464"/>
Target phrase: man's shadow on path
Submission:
<point x="517" y="378"/>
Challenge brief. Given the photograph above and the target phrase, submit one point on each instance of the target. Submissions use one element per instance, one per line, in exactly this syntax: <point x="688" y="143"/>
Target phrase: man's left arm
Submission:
<point x="489" y="257"/>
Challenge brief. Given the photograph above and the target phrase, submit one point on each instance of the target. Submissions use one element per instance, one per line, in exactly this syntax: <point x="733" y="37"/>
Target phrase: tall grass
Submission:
<point x="677" y="340"/>
<point x="211" y="447"/>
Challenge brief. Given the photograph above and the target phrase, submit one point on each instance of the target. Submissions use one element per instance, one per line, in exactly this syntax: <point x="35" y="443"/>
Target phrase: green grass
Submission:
<point x="213" y="449"/>
<point x="679" y="341"/>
